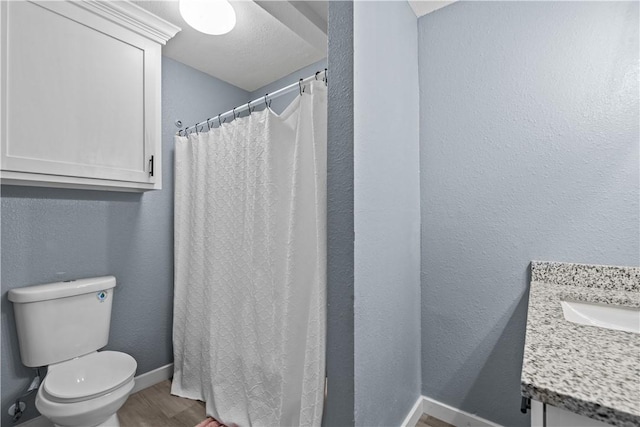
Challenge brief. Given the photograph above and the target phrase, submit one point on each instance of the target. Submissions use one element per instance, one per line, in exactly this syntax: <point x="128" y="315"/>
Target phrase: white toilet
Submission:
<point x="62" y="325"/>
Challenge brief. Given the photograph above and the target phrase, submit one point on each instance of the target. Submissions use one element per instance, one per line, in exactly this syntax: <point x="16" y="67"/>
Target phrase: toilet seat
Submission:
<point x="88" y="377"/>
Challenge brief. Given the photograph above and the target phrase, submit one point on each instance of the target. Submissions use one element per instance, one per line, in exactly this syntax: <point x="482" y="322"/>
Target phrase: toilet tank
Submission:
<point x="62" y="320"/>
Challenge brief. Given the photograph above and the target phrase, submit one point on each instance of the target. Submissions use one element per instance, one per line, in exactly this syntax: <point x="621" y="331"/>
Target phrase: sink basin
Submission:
<point x="606" y="316"/>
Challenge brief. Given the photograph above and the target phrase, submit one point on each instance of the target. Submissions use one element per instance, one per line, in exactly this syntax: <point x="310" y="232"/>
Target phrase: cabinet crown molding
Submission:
<point x="133" y="17"/>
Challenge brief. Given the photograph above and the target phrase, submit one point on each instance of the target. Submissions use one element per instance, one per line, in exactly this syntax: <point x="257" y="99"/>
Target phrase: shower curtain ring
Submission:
<point x="219" y="122"/>
<point x="300" y="86"/>
<point x="249" y="107"/>
<point x="317" y="72"/>
<point x="234" y="113"/>
<point x="208" y="124"/>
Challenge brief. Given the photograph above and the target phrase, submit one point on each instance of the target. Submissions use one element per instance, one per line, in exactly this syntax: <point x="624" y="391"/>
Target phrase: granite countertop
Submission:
<point x="588" y="370"/>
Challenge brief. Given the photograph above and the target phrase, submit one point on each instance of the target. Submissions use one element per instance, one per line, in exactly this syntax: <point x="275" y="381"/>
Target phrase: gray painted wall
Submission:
<point x="339" y="404"/>
<point x="529" y="137"/>
<point x="279" y="104"/>
<point x="387" y="212"/>
<point x="54" y="234"/>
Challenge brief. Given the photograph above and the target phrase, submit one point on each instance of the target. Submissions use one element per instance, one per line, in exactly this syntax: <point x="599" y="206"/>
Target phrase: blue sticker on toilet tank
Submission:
<point x="102" y="295"/>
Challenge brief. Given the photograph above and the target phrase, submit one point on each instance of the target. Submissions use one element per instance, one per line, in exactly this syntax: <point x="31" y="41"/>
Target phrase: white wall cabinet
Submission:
<point x="543" y="415"/>
<point x="80" y="86"/>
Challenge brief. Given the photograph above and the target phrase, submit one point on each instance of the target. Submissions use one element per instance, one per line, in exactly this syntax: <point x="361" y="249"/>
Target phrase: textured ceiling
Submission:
<point x="271" y="40"/>
<point x="422" y="7"/>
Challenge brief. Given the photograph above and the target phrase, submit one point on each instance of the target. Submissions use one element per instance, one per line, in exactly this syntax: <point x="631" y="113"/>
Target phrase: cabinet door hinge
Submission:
<point x="151" y="166"/>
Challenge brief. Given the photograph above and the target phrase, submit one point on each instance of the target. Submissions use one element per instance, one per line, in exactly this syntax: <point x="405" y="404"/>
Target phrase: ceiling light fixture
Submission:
<point x="215" y="17"/>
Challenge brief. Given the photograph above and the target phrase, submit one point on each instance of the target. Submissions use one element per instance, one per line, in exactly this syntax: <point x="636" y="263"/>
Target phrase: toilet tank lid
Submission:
<point x="55" y="290"/>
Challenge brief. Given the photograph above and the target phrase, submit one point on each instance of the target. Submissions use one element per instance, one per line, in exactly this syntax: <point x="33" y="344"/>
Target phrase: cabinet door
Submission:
<point x="81" y="95"/>
<point x="563" y="418"/>
<point x="543" y="415"/>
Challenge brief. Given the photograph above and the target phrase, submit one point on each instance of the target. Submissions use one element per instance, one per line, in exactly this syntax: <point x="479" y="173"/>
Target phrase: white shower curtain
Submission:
<point x="250" y="266"/>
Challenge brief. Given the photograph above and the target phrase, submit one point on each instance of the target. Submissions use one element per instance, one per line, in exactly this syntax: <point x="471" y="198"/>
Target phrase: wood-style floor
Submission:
<point x="429" y="421"/>
<point x="156" y="407"/>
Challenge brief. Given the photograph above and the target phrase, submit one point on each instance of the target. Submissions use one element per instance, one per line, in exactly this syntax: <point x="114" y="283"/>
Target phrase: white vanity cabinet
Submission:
<point x="543" y="415"/>
<point x="80" y="85"/>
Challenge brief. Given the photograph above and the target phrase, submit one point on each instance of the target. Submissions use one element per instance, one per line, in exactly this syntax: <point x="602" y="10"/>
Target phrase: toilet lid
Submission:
<point x="89" y="376"/>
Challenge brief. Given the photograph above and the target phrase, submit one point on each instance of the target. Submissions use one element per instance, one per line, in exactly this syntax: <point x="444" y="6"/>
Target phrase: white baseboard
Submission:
<point x="150" y="378"/>
<point x="36" y="422"/>
<point x="414" y="414"/>
<point x="444" y="412"/>
<point x="451" y="415"/>
<point x="142" y="381"/>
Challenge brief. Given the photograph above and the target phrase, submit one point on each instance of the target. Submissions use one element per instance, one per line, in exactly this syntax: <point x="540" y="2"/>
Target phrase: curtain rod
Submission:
<point x="299" y="85"/>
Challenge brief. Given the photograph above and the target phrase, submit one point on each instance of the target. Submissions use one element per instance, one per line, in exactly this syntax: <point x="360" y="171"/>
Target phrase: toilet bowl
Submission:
<point x="62" y="325"/>
<point x="87" y="391"/>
